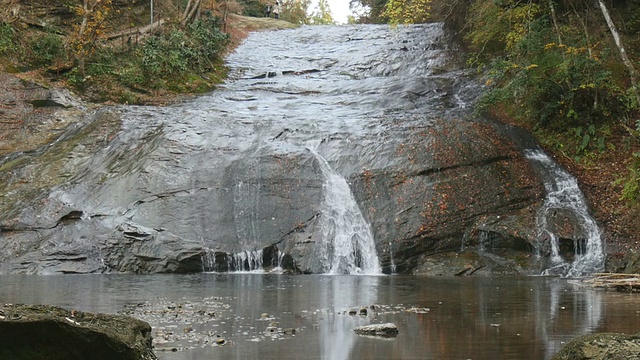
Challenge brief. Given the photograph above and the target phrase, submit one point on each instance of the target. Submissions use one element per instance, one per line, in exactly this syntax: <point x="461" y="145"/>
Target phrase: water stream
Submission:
<point x="563" y="193"/>
<point x="347" y="245"/>
<point x="330" y="149"/>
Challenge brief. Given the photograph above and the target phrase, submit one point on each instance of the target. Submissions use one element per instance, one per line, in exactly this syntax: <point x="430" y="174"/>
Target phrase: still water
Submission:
<point x="437" y="318"/>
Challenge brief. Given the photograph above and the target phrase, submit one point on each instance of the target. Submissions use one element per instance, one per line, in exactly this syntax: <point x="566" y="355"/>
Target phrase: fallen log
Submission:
<point x="619" y="282"/>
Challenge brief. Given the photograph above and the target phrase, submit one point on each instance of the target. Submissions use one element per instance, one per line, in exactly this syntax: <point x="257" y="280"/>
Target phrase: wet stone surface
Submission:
<point x="241" y="170"/>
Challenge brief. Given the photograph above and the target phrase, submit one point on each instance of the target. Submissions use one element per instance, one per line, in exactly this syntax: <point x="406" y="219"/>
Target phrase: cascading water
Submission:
<point x="347" y="245"/>
<point x="392" y="266"/>
<point x="563" y="193"/>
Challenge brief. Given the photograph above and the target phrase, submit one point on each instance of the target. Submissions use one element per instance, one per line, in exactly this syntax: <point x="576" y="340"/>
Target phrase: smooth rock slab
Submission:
<point x="42" y="332"/>
<point x="385" y="330"/>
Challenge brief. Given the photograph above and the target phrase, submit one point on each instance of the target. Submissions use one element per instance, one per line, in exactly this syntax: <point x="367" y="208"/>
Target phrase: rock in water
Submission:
<point x="42" y="332"/>
<point x="385" y="330"/>
<point x="601" y="346"/>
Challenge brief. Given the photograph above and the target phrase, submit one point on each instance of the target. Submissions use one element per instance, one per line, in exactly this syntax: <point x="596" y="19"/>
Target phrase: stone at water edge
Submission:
<point x="601" y="346"/>
<point x="43" y="332"/>
<point x="385" y="330"/>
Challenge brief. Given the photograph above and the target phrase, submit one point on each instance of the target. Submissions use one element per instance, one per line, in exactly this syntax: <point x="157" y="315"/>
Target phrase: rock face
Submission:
<point x="52" y="333"/>
<point x="229" y="181"/>
<point x="601" y="346"/>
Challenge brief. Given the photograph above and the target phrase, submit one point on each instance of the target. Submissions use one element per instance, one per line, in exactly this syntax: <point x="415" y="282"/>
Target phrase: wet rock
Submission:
<point x="601" y="346"/>
<point x="193" y="186"/>
<point x="384" y="330"/>
<point x="53" y="333"/>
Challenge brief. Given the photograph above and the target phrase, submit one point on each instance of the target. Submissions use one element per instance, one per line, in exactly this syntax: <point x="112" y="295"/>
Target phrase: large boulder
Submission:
<point x="41" y="332"/>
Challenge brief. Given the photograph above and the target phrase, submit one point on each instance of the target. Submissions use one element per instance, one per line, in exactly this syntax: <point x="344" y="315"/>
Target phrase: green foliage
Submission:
<point x="407" y="11"/>
<point x="208" y="40"/>
<point x="252" y="8"/>
<point x="166" y="54"/>
<point x="322" y="14"/>
<point x="544" y="83"/>
<point x="47" y="49"/>
<point x="631" y="189"/>
<point x="370" y="11"/>
<point x="7" y="40"/>
<point x="295" y="11"/>
<point x="177" y="51"/>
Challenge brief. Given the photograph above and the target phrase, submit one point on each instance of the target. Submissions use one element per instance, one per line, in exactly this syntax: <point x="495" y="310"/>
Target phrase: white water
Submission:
<point x="563" y="193"/>
<point x="347" y="245"/>
<point x="393" y="264"/>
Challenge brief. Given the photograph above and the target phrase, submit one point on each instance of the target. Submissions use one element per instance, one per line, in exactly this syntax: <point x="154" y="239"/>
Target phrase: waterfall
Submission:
<point x="347" y="245"/>
<point x="392" y="267"/>
<point x="563" y="193"/>
<point x="246" y="261"/>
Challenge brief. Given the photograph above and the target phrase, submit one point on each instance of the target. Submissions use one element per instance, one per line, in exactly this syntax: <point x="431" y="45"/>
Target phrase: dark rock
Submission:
<point x="601" y="346"/>
<point x="40" y="332"/>
<point x="384" y="330"/>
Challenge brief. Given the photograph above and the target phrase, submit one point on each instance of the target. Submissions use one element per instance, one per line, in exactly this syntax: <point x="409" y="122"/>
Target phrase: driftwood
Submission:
<point x="619" y="282"/>
<point x="136" y="31"/>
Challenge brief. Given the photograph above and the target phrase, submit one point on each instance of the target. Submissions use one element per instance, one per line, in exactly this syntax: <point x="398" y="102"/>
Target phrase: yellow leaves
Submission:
<point x="584" y="87"/>
<point x="407" y="11"/>
<point x="532" y="66"/>
<point x="93" y="26"/>
<point x="520" y="17"/>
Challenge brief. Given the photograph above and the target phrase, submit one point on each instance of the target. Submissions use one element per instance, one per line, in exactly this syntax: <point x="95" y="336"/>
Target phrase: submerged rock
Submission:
<point x="601" y="346"/>
<point x="41" y="332"/>
<point x="384" y="330"/>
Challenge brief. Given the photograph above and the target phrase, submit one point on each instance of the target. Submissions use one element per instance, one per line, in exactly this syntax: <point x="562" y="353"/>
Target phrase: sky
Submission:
<point x="339" y="9"/>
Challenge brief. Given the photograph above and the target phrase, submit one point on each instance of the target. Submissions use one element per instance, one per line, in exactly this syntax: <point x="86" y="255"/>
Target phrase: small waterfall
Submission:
<point x="563" y="193"/>
<point x="347" y="242"/>
<point x="208" y="260"/>
<point x="393" y="264"/>
<point x="254" y="261"/>
<point x="245" y="261"/>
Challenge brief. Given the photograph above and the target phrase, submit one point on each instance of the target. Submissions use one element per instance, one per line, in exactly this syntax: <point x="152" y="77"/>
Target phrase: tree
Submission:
<point x="93" y="26"/>
<point x="295" y="11"/>
<point x="407" y="11"/>
<point x="191" y="11"/>
<point x="322" y="15"/>
<point x="370" y="11"/>
<point x="623" y="53"/>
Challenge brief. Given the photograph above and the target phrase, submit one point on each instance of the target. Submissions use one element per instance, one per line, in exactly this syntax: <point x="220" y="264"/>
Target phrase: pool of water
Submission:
<point x="268" y="316"/>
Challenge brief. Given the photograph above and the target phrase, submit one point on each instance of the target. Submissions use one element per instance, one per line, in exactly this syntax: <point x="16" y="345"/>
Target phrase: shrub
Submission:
<point x="176" y="51"/>
<point x="7" y="40"/>
<point x="47" y="49"/>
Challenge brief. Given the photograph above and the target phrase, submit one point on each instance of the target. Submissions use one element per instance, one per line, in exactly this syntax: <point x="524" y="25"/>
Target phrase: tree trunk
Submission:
<point x="190" y="13"/>
<point x="623" y="54"/>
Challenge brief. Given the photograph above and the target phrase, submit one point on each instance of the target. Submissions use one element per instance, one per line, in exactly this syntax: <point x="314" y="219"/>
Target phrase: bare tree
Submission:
<point x="623" y="54"/>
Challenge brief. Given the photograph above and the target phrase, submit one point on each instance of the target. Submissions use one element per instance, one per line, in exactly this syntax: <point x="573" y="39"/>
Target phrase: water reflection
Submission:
<point x="502" y="318"/>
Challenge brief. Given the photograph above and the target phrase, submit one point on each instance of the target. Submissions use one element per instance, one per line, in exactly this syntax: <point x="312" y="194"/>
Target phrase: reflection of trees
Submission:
<point x="342" y="293"/>
<point x="565" y="314"/>
<point x="486" y="319"/>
